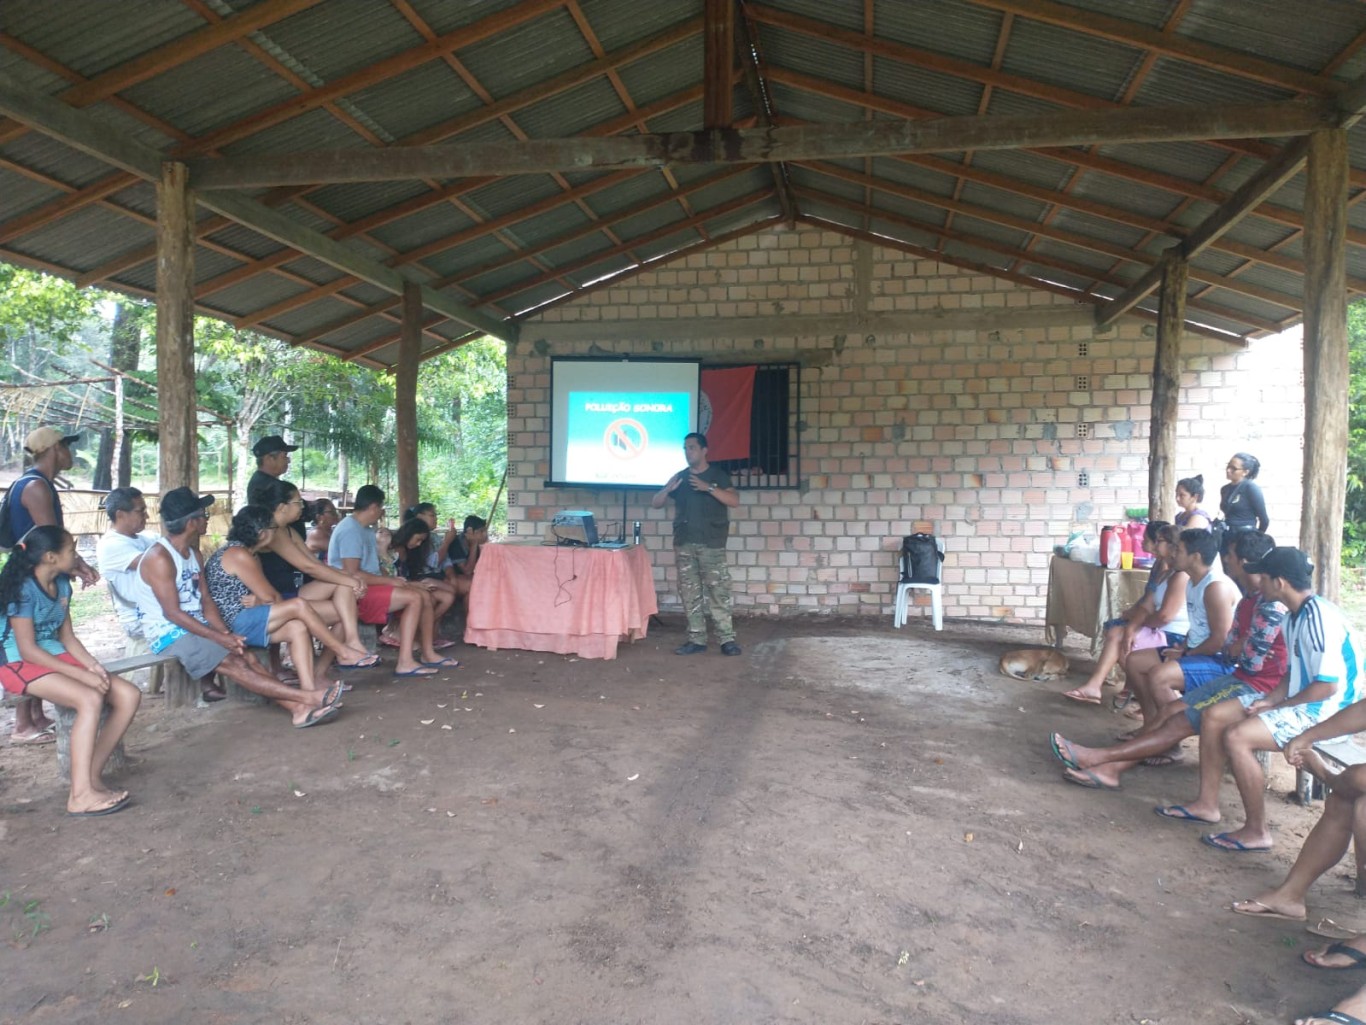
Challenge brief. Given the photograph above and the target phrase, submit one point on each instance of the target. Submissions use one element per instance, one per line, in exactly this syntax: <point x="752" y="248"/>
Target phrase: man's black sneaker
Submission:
<point x="691" y="648"/>
<point x="730" y="648"/>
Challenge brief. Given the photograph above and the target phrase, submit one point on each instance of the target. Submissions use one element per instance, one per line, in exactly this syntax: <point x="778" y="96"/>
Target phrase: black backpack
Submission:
<point x="7" y="538"/>
<point x="920" y="559"/>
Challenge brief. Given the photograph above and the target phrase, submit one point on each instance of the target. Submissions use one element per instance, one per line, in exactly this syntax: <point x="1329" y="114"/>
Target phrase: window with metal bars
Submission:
<point x="774" y="461"/>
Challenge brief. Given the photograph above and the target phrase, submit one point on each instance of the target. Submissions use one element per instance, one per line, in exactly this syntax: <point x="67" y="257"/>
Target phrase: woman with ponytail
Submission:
<point x="45" y="660"/>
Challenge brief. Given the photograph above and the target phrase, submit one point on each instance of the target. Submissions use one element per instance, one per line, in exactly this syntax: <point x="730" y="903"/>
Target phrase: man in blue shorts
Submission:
<point x="1325" y="665"/>
<point x="1255" y="653"/>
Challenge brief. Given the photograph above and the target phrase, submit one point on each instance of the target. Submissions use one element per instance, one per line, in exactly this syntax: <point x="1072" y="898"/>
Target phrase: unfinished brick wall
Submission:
<point x="976" y="427"/>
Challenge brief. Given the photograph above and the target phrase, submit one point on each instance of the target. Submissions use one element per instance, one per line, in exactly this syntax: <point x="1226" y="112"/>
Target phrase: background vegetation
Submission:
<point x="248" y="385"/>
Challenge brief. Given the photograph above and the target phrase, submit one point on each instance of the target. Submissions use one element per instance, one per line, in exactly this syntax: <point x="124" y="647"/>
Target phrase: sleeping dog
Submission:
<point x="1042" y="664"/>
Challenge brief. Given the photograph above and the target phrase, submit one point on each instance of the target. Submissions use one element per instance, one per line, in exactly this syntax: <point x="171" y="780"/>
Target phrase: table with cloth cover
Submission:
<point x="568" y="600"/>
<point x="1083" y="597"/>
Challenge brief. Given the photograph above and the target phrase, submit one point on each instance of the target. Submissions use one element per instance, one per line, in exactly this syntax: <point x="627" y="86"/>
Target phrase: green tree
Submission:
<point x="1354" y="516"/>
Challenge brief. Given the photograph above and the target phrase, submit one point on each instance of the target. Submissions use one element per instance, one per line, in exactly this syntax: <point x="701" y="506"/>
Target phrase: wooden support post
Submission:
<point x="1325" y="357"/>
<point x="405" y="394"/>
<point x="718" y="61"/>
<point x="175" y="330"/>
<point x="1166" y="387"/>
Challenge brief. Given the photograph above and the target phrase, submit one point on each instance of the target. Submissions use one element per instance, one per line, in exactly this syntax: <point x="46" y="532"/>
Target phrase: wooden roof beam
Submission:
<point x="1140" y="36"/>
<point x="718" y="62"/>
<point x="89" y="135"/>
<point x="762" y="145"/>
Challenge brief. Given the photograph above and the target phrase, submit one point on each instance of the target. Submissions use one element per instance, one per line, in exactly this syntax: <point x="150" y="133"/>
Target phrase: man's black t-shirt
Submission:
<point x="699" y="519"/>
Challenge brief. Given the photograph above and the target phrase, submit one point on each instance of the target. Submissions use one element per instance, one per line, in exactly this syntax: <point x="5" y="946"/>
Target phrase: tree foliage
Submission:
<point x="1354" y="517"/>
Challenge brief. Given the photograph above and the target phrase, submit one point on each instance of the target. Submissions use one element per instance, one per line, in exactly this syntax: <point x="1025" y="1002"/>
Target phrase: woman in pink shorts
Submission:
<point x="44" y="659"/>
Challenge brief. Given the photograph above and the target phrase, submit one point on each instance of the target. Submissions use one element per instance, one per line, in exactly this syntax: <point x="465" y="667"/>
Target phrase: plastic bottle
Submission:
<point x="1109" y="544"/>
<point x="1142" y="557"/>
<point x="1126" y="547"/>
<point x="636" y="529"/>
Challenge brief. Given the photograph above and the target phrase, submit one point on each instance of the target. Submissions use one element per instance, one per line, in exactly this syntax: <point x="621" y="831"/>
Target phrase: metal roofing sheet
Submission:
<point x="958" y="29"/>
<point x="367" y="294"/>
<point x="1082" y="259"/>
<point x="354" y="201"/>
<point x="618" y="23"/>
<point x="1062" y="57"/>
<point x="311" y="317"/>
<point x="847" y="15"/>
<point x="1094" y="227"/>
<point x="82" y="241"/>
<point x="315" y="129"/>
<point x="1124" y="195"/>
<point x="91" y="36"/>
<point x="419" y="98"/>
<point x="796" y="105"/>
<point x="669" y="71"/>
<point x="627" y="194"/>
<point x="217" y="88"/>
<point x="511" y="194"/>
<point x="444" y="17"/>
<point x="887" y="229"/>
<point x="316" y="271"/>
<point x="1177" y="82"/>
<point x="1192" y="161"/>
<point x="1273" y="278"/>
<point x="926" y="89"/>
<point x="1026" y="167"/>
<point x="906" y="172"/>
<point x="429" y="225"/>
<point x="519" y="57"/>
<point x="1003" y="202"/>
<point x="783" y="48"/>
<point x="1145" y="13"/>
<point x="341" y="36"/>
<point x="20" y="194"/>
<point x="1077" y="282"/>
<point x="686" y="118"/>
<point x="752" y="215"/>
<point x="1319" y="30"/>
<point x="547" y="226"/>
<point x="469" y="259"/>
<point x="245" y="241"/>
<point x="257" y="293"/>
<point x="55" y="160"/>
<point x="572" y="112"/>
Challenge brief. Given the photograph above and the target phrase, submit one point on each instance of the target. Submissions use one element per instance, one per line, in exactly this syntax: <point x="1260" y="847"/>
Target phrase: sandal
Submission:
<point x="41" y="737"/>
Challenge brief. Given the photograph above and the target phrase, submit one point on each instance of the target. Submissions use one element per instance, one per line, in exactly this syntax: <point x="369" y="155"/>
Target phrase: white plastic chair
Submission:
<point x="903" y="595"/>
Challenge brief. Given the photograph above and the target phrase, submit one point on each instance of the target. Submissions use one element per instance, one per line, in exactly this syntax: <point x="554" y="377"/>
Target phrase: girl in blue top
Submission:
<point x="44" y="659"/>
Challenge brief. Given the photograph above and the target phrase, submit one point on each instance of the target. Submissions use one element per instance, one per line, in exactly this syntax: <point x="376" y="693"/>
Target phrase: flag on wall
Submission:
<point x="727" y="401"/>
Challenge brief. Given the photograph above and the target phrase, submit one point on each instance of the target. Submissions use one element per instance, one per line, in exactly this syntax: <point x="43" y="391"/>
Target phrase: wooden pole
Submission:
<point x="405" y="394"/>
<point x="1325" y="357"/>
<point x="116" y="452"/>
<point x="179" y="465"/>
<point x="1166" y="387"/>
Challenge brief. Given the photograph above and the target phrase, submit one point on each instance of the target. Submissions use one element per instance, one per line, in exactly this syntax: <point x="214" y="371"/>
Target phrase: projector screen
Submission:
<point x="619" y="423"/>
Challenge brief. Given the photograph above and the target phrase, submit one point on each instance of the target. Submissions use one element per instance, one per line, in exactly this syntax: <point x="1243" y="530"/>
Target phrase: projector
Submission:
<point x="574" y="527"/>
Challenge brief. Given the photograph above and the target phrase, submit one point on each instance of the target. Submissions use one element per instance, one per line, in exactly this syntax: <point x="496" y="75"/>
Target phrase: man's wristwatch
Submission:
<point x="713" y="486"/>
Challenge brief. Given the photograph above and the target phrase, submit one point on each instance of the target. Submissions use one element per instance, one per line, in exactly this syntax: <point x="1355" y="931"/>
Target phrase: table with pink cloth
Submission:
<point x="572" y="601"/>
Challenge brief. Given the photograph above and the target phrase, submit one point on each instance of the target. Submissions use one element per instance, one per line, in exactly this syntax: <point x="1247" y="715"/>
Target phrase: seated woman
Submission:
<point x="45" y="660"/>
<point x="234" y="572"/>
<point x="1148" y="623"/>
<point x="412" y="548"/>
<point x="325" y="517"/>
<point x="332" y="593"/>
<point x="1190" y="492"/>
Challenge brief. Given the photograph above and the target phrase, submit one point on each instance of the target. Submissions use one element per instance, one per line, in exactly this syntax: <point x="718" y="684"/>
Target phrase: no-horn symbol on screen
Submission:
<point x="625" y="438"/>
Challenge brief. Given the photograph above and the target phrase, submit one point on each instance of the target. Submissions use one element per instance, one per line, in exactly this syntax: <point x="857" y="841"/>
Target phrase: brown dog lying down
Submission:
<point x="1042" y="664"/>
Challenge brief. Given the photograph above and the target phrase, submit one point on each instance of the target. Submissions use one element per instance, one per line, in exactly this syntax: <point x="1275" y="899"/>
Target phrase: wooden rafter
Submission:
<point x="718" y="62"/>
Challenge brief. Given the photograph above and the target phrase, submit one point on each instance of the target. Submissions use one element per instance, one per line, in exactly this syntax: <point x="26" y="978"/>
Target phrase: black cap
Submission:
<point x="178" y="503"/>
<point x="271" y="443"/>
<point x="1284" y="562"/>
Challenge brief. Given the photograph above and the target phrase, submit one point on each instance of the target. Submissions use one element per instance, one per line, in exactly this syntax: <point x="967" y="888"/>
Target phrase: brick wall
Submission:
<point x="949" y="401"/>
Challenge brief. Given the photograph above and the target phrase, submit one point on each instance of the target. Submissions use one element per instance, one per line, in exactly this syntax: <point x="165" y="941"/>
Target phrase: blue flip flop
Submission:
<point x="1088" y="779"/>
<point x="1178" y="812"/>
<point x="365" y="663"/>
<point x="1337" y="1017"/>
<point x="413" y="672"/>
<point x="1062" y="755"/>
<point x="110" y="810"/>
<point x="1357" y="958"/>
<point x="445" y="663"/>
<point x="318" y="716"/>
<point x="1224" y="842"/>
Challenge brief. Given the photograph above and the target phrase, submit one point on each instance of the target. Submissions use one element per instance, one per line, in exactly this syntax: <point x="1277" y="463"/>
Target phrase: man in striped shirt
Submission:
<point x="1325" y="667"/>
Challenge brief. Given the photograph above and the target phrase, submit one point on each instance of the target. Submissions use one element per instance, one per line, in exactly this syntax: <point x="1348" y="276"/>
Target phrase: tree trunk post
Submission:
<point x="405" y="395"/>
<point x="1325" y="357"/>
<point x="1166" y="387"/>
<point x="176" y="421"/>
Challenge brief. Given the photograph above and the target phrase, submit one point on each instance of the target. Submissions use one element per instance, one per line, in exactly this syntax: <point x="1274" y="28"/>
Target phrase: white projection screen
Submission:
<point x="620" y="423"/>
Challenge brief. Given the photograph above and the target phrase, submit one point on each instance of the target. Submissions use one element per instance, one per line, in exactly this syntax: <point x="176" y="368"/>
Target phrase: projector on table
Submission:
<point x="574" y="527"/>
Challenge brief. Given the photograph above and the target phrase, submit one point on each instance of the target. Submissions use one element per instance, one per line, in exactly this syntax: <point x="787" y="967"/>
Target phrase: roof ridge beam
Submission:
<point x="764" y="145"/>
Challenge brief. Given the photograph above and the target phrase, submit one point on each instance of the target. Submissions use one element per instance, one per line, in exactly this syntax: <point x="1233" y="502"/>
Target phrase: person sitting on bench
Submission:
<point x="1257" y="655"/>
<point x="325" y="517"/>
<point x="413" y="548"/>
<point x="180" y="619"/>
<point x="234" y="573"/>
<point x="46" y="661"/>
<point x="353" y="550"/>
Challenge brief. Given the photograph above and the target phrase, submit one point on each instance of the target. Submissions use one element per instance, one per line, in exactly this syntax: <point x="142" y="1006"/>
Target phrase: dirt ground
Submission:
<point x="849" y="824"/>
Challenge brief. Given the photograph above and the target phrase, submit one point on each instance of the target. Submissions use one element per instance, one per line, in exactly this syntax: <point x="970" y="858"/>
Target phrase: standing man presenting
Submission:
<point x="703" y="494"/>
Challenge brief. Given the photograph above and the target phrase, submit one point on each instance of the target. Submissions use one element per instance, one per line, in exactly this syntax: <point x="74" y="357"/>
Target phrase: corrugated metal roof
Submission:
<point x="231" y="86"/>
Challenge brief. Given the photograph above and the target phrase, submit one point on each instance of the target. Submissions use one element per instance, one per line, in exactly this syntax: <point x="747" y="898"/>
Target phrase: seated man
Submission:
<point x="1256" y="654"/>
<point x="1322" y="681"/>
<point x="464" y="553"/>
<point x="117" y="555"/>
<point x="325" y="517"/>
<point x="353" y="550"/>
<point x="180" y="619"/>
<point x="1157" y="677"/>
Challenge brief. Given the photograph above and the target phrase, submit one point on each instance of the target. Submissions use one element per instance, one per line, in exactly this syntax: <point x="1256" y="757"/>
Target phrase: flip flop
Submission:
<point x="1357" y="958"/>
<point x="1161" y="761"/>
<point x="1224" y="842"/>
<point x="389" y="642"/>
<point x="1249" y="910"/>
<point x="445" y="663"/>
<point x="317" y="716"/>
<point x="1330" y="930"/>
<point x="1336" y="1017"/>
<point x="335" y="700"/>
<point x="1085" y="699"/>
<point x="1062" y="751"/>
<point x="1088" y="779"/>
<point x="109" y="809"/>
<point x="1179" y="812"/>
<point x="38" y="738"/>
<point x="415" y="672"/>
<point x="364" y="663"/>
<point x="1122" y="700"/>
<point x="443" y="644"/>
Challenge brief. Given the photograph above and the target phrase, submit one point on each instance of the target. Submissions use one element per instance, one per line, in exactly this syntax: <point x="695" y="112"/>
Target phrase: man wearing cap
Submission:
<point x="33" y="502"/>
<point x="1325" y="665"/>
<point x="179" y="617"/>
<point x="272" y="463"/>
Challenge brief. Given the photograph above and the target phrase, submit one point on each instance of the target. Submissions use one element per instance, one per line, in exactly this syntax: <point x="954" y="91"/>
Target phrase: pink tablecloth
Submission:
<point x="572" y="601"/>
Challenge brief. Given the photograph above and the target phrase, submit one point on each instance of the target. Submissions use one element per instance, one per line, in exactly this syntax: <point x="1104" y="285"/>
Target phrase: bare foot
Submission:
<point x="1334" y="957"/>
<point x="94" y="803"/>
